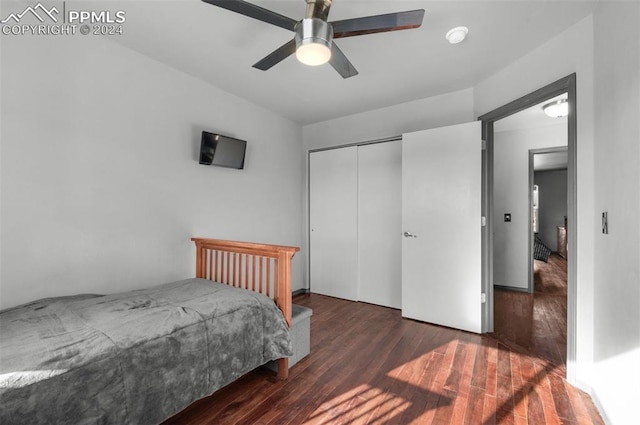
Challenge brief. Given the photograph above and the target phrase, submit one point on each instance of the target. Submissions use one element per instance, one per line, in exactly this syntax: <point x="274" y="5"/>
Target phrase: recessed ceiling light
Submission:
<point x="557" y="109"/>
<point x="457" y="34"/>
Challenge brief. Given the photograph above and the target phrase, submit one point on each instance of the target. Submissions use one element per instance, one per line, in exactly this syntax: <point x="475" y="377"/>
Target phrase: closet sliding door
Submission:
<point x="380" y="223"/>
<point x="355" y="199"/>
<point x="333" y="222"/>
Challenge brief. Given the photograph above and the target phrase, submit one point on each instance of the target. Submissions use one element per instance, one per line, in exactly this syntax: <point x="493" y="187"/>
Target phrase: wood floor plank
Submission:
<point x="467" y="369"/>
<point x="561" y="399"/>
<point x="519" y="420"/>
<point x="444" y="409"/>
<point x="504" y="400"/>
<point x="452" y="383"/>
<point x="492" y="378"/>
<point x="546" y="396"/>
<point x="535" y="411"/>
<point x="421" y="399"/>
<point x="475" y="406"/>
<point x="479" y="378"/>
<point x="489" y="411"/>
<point x="463" y="399"/>
<point x="368" y="365"/>
<point x="520" y="396"/>
<point x="504" y="361"/>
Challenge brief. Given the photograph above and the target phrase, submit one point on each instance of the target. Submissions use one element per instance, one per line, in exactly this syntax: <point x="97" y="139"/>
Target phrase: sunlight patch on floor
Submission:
<point x="363" y="404"/>
<point x="418" y="365"/>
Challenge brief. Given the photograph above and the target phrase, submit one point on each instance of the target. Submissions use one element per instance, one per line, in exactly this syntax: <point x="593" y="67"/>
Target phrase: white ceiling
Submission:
<point x="220" y="47"/>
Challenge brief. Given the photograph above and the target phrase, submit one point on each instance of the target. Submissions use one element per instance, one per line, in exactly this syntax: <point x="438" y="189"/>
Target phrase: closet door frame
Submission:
<point x="308" y="227"/>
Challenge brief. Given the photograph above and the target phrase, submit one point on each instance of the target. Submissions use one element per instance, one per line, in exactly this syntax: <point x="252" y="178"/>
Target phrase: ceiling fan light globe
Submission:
<point x="313" y="41"/>
<point x="313" y="54"/>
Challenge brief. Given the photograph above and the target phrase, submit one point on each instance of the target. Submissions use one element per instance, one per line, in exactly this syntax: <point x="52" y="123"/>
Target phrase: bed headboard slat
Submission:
<point x="256" y="267"/>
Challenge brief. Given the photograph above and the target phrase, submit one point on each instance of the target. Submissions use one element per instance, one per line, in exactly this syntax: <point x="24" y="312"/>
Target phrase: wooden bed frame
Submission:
<point x="261" y="268"/>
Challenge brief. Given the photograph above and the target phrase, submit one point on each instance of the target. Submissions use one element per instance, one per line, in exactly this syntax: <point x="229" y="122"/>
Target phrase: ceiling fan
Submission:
<point x="313" y="41"/>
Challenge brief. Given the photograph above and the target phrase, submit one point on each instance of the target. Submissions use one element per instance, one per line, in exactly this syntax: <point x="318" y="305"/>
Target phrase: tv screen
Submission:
<point x="223" y="151"/>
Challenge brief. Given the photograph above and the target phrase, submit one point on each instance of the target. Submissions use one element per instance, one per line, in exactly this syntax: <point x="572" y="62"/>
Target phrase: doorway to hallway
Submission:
<point x="549" y="329"/>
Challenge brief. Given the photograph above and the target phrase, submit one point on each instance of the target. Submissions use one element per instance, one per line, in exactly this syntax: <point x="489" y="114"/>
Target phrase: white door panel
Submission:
<point x="333" y="220"/>
<point x="441" y="205"/>
<point x="380" y="223"/>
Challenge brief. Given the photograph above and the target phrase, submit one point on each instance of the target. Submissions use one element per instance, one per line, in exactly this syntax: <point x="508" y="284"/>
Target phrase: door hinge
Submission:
<point x="484" y="145"/>
<point x="483" y="221"/>
<point x="483" y="298"/>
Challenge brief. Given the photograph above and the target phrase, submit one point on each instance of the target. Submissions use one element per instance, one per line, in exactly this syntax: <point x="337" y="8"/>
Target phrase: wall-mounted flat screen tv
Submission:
<point x="223" y="151"/>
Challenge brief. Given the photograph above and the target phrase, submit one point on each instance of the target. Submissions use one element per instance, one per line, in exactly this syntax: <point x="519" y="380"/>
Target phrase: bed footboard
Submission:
<point x="261" y="268"/>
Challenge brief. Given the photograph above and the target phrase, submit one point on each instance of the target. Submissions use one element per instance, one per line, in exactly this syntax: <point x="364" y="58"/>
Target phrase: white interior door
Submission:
<point x="333" y="222"/>
<point x="441" y="207"/>
<point x="380" y="223"/>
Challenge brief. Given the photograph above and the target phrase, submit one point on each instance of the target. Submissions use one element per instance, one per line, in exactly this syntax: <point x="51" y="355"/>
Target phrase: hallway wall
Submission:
<point x="552" y="187"/>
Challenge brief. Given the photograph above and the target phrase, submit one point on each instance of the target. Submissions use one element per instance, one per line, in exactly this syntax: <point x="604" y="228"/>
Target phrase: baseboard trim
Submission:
<point x="600" y="407"/>
<point x="300" y="292"/>
<point x="511" y="288"/>
<point x="587" y="388"/>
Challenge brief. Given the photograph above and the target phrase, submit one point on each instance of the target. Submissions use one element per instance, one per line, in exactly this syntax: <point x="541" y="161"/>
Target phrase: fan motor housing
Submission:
<point x="313" y="30"/>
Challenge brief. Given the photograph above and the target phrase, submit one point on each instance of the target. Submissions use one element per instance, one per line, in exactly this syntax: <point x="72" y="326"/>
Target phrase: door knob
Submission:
<point x="409" y="235"/>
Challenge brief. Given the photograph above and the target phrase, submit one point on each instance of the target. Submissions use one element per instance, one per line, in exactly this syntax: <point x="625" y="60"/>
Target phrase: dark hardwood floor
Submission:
<point x="369" y="366"/>
<point x="536" y="323"/>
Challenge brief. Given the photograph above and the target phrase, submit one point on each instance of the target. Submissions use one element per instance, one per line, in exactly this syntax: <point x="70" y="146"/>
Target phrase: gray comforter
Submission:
<point x="132" y="358"/>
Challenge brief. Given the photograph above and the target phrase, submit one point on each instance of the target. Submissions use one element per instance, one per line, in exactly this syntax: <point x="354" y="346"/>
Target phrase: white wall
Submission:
<point x="616" y="381"/>
<point x="569" y="52"/>
<point x="553" y="204"/>
<point x="101" y="186"/>
<point x="511" y="195"/>
<point x="438" y="111"/>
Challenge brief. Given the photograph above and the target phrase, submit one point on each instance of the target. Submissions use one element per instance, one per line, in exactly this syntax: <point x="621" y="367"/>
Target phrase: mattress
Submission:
<point x="132" y="358"/>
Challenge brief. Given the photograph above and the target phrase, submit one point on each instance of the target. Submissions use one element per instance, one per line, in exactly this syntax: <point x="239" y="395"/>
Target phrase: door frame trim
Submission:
<point x="563" y="85"/>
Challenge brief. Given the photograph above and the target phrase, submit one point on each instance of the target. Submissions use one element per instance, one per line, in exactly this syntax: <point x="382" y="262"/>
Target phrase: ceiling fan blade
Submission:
<point x="277" y="56"/>
<point x="340" y="63"/>
<point x="378" y="23"/>
<point x="255" y="12"/>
